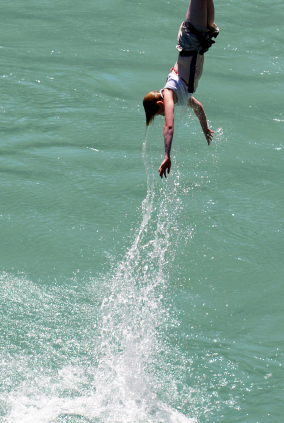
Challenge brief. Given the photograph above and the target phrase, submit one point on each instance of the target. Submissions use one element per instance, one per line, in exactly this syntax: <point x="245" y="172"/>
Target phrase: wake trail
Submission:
<point x="134" y="312"/>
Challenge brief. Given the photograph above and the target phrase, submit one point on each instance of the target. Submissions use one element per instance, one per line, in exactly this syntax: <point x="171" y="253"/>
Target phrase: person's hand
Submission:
<point x="208" y="135"/>
<point x="166" y="165"/>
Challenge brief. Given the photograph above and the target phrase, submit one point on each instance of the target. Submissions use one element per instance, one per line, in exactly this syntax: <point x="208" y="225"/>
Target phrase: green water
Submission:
<point x="125" y="298"/>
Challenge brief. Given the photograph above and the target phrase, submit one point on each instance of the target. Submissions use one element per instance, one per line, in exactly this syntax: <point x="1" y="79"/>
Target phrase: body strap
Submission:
<point x="192" y="70"/>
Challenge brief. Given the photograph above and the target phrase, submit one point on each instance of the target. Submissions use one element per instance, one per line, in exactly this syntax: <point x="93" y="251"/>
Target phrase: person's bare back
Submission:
<point x="182" y="67"/>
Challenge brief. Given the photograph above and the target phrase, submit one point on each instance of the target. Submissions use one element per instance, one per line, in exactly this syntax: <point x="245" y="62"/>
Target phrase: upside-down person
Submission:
<point x="194" y="39"/>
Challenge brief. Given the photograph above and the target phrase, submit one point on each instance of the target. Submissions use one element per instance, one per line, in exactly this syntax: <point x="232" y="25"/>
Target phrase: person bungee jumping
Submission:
<point x="195" y="37"/>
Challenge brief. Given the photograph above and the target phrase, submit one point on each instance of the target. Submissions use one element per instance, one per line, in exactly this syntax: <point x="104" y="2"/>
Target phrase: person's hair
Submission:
<point x="150" y="105"/>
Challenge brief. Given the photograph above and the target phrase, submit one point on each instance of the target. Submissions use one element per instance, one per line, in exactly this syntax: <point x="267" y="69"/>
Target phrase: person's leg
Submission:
<point x="210" y="12"/>
<point x="197" y="13"/>
<point x="200" y="13"/>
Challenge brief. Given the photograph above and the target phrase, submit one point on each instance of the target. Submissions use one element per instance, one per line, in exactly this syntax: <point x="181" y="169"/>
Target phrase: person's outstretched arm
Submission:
<point x="200" y="113"/>
<point x="168" y="131"/>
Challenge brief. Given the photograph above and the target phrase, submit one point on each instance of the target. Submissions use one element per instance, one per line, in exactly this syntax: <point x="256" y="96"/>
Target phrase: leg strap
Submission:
<point x="204" y="39"/>
<point x="192" y="73"/>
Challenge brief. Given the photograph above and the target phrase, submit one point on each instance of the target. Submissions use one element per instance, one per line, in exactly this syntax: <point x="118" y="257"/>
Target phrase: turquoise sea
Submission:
<point x="126" y="298"/>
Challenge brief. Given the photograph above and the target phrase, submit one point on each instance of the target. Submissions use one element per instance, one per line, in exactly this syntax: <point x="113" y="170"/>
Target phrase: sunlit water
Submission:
<point x="125" y="298"/>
